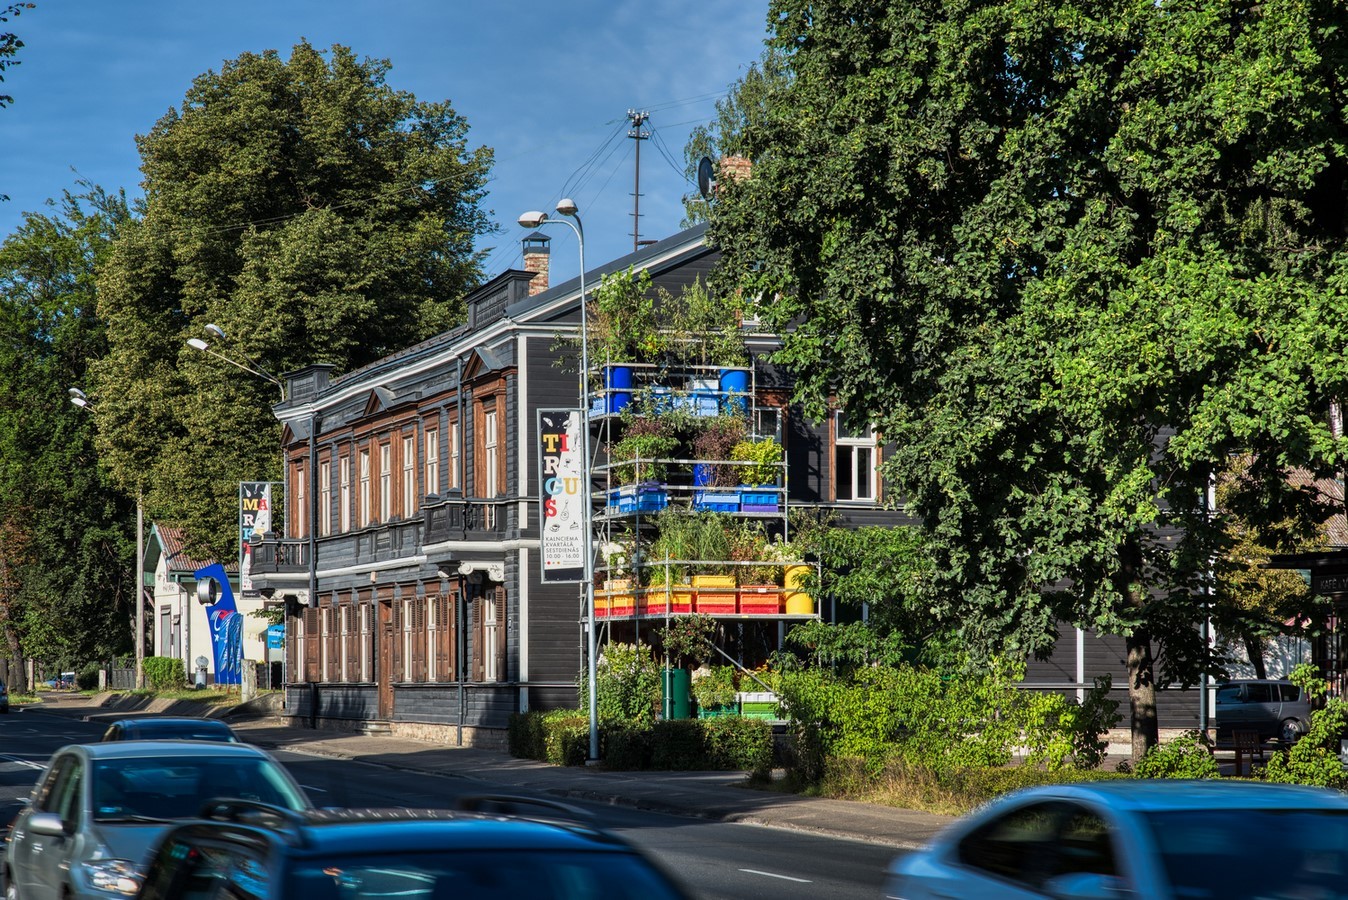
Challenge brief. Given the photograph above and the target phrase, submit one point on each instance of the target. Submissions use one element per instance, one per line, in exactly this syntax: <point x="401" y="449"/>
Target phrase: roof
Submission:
<point x="178" y="749"/>
<point x="173" y="545"/>
<point x="1167" y="795"/>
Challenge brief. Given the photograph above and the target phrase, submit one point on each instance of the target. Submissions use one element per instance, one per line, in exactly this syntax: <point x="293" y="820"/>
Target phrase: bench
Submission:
<point x="1246" y="745"/>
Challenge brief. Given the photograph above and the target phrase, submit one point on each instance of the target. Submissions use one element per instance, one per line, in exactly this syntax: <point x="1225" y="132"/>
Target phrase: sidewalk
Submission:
<point x="718" y="796"/>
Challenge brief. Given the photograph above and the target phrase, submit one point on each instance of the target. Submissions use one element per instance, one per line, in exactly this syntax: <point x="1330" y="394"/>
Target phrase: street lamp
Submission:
<point x="534" y="219"/>
<point x="80" y="399"/>
<point x="218" y="333"/>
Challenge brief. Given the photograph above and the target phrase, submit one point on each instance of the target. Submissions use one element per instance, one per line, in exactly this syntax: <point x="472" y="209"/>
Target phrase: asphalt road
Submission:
<point x="716" y="860"/>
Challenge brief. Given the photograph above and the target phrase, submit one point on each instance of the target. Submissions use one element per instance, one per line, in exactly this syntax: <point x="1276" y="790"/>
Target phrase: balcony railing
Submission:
<point x="453" y="518"/>
<point x="273" y="554"/>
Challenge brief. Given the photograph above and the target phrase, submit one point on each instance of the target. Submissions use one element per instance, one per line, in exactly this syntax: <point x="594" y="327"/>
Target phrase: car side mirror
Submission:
<point x="46" y="823"/>
<point x="1085" y="886"/>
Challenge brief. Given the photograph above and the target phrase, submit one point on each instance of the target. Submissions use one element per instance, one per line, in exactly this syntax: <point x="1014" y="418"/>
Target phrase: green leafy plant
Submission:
<point x="628" y="685"/>
<point x="164" y="672"/>
<point x="706" y="325"/>
<point x="688" y="639"/>
<point x="714" y="443"/>
<point x="644" y="440"/>
<point x="714" y="687"/>
<point x="764" y="460"/>
<point x="1187" y="756"/>
<point x="691" y="537"/>
<point x="1314" y="759"/>
<point x="622" y="320"/>
<point x="749" y="544"/>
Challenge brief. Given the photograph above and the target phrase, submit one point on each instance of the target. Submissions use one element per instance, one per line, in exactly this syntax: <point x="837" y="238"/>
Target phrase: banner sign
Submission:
<point x="226" y="623"/>
<point x="254" y="516"/>
<point x="562" y="497"/>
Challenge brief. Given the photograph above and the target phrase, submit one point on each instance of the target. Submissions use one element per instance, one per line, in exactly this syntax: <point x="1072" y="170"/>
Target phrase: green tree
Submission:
<point x="314" y="213"/>
<point x="66" y="592"/>
<point x="1068" y="258"/>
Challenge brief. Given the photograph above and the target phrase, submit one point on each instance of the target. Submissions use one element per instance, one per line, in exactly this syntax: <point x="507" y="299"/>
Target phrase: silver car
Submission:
<point x="1271" y="707"/>
<point x="97" y="811"/>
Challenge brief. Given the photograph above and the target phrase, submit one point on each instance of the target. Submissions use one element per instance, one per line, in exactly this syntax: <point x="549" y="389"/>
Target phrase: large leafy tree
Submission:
<point x="1069" y="258"/>
<point x="314" y="213"/>
<point x="66" y="594"/>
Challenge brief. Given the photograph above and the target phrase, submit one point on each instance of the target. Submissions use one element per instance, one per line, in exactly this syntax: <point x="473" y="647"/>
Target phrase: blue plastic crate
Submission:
<point x="699" y="403"/>
<point x="758" y="507"/>
<point x="758" y="498"/>
<point x="710" y="501"/>
<point x="634" y="499"/>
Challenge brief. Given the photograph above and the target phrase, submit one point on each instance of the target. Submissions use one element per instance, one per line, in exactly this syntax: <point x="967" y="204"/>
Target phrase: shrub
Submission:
<point x="1315" y="758"/>
<point x="628" y="747"/>
<point x="714" y="687"/>
<point x="678" y="744"/>
<point x="762" y="458"/>
<point x="164" y="673"/>
<point x="734" y="742"/>
<point x="627" y="679"/>
<point x="526" y="736"/>
<point x="566" y="737"/>
<point x="1187" y="756"/>
<point x="87" y="678"/>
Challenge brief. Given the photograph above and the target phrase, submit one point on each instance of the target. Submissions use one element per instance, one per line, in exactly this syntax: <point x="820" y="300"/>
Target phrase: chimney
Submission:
<point x="537" y="258"/>
<point x="734" y="167"/>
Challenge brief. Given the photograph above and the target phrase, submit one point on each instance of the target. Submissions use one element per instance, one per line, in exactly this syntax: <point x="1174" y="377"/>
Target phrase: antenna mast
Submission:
<point x="635" y="133"/>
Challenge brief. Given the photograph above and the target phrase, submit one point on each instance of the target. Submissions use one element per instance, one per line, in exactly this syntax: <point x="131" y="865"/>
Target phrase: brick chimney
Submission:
<point x="733" y="167"/>
<point x="537" y="259"/>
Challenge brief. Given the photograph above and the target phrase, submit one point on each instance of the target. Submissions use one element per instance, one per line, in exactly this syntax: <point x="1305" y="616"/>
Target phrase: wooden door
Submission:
<point x="384" y="661"/>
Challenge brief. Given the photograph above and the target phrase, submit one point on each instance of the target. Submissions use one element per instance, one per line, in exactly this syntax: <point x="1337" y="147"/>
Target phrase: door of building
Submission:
<point x="384" y="661"/>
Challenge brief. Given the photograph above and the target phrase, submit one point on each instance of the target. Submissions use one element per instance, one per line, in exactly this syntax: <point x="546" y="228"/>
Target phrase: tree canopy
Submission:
<point x="316" y="215"/>
<point x="1068" y="258"/>
<point x="66" y="593"/>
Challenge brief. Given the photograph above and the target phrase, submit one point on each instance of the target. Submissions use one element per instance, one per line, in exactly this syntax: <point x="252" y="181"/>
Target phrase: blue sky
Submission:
<point x="547" y="85"/>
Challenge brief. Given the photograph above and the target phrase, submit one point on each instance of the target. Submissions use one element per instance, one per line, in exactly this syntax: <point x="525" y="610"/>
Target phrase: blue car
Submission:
<point x="1138" y="839"/>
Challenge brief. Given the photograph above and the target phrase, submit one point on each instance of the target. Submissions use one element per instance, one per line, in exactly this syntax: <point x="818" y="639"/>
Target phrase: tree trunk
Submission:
<point x="1254" y="649"/>
<point x="1141" y="677"/>
<point x="18" y="672"/>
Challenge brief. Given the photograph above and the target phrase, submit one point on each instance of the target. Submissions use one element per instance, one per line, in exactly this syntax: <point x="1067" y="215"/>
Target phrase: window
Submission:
<point x="345" y="650"/>
<point x="409" y="475"/>
<point x="455" y="446"/>
<point x="490" y="622"/>
<point x="344" y="493"/>
<point x="1039" y="841"/>
<point x="364" y="511"/>
<point x="298" y="517"/>
<point x="366" y="638"/>
<point x="409" y="639"/>
<point x="385" y="482"/>
<point x="433" y="462"/>
<point x="325" y="497"/>
<point x="489" y="635"/>
<point x="490" y="465"/>
<point x="442" y="638"/>
<point x="854" y="462"/>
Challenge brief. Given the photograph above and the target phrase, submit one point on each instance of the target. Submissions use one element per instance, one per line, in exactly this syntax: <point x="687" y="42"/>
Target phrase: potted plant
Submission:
<point x="617" y="597"/>
<point x="715" y="691"/>
<point x="638" y="455"/>
<point x="758" y="574"/>
<point x="712" y="446"/>
<point x="697" y="543"/>
<point x="687" y="642"/>
<point x="759" y="473"/>
<point x="622" y="328"/>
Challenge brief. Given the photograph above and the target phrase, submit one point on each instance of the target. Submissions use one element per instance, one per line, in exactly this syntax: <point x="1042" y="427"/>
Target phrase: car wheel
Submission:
<point x="1290" y="731"/>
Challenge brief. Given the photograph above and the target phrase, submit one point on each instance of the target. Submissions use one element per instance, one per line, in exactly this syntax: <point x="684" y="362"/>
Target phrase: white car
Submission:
<point x="1138" y="839"/>
<point x="97" y="811"/>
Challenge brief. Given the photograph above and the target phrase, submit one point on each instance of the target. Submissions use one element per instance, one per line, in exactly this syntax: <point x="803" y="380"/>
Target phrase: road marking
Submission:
<point x="22" y="762"/>
<point x="775" y="875"/>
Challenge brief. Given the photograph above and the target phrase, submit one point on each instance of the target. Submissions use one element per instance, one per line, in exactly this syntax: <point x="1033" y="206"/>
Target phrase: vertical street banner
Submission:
<point x="254" y="516"/>
<point x="562" y="496"/>
<point x="226" y="624"/>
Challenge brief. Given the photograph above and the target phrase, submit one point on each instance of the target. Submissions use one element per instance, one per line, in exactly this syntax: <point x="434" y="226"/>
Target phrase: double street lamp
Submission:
<point x="80" y="399"/>
<point x="534" y="219"/>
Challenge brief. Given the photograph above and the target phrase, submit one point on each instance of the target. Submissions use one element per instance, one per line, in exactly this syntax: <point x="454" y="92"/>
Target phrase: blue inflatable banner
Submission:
<point x="226" y="627"/>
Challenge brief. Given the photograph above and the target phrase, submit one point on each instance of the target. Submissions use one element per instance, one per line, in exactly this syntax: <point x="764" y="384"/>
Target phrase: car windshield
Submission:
<point x="188" y="731"/>
<point x="539" y="875"/>
<point x="176" y="787"/>
<point x="1206" y="853"/>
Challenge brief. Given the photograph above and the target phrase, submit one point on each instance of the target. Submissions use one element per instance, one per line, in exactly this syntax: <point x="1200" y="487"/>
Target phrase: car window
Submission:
<point x="66" y="799"/>
<point x="1228" y="693"/>
<point x="177" y="787"/>
<point x="46" y="795"/>
<point x="1258" y="693"/>
<point x="1034" y="843"/>
<point x="183" y="870"/>
<point x="1290" y="693"/>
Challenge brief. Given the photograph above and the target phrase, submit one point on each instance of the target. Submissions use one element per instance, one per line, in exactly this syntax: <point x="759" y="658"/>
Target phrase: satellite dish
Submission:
<point x="706" y="177"/>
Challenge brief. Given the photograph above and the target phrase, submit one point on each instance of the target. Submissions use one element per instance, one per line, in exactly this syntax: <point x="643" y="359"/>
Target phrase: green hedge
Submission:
<point x="164" y="673"/>
<point x="726" y="742"/>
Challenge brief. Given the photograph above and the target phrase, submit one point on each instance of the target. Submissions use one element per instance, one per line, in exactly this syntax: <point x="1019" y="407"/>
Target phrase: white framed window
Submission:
<point x="433" y="461"/>
<point x="409" y="475"/>
<point x="344" y="493"/>
<point x="364" y="511"/>
<point x="344" y="653"/>
<point x="366" y="639"/>
<point x="409" y="622"/>
<point x="455" y="455"/>
<point x="490" y="622"/>
<point x="325" y="497"/>
<point x="385" y="482"/>
<point x="855" y="458"/>
<point x="490" y="464"/>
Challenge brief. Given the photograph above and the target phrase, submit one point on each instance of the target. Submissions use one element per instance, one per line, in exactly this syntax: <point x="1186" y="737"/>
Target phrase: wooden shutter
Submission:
<point x="396" y="663"/>
<point x="311" y="645"/>
<point x="502" y="673"/>
<point x="476" y="635"/>
<point x="419" y="639"/>
<point x="444" y="643"/>
<point x="332" y="669"/>
<point x="352" y="650"/>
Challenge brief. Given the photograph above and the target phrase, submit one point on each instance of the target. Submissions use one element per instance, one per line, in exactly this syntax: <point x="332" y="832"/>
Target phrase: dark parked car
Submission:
<point x="4" y="698"/>
<point x="1271" y="707"/>
<point x="98" y="809"/>
<point x="250" y="850"/>
<point x="170" y="728"/>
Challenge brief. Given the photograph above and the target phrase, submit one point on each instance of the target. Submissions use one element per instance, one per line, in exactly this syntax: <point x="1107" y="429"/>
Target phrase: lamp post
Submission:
<point x="80" y="399"/>
<point x="534" y="219"/>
